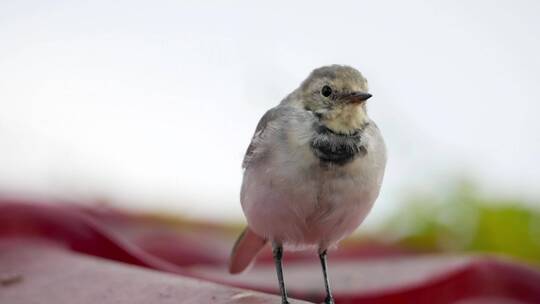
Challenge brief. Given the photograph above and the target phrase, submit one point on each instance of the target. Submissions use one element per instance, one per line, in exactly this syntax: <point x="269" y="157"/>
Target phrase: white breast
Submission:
<point x="290" y="197"/>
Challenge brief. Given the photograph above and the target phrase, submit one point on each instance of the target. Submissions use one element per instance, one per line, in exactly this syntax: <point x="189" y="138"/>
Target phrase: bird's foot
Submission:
<point x="329" y="300"/>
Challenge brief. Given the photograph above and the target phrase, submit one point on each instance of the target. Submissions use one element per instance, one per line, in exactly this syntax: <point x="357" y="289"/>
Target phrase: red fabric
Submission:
<point x="34" y="271"/>
<point x="360" y="274"/>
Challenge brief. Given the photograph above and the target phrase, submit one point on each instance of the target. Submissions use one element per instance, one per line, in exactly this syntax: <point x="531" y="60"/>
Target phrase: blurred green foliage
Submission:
<point x="462" y="220"/>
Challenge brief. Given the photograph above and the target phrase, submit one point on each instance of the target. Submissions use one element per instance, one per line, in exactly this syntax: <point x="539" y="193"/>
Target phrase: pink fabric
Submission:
<point x="199" y="251"/>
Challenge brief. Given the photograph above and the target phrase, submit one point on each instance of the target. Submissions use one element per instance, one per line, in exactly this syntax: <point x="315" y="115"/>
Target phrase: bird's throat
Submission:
<point x="346" y="119"/>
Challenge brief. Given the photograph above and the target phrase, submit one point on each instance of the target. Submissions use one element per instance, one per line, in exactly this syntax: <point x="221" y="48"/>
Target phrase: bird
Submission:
<point x="312" y="171"/>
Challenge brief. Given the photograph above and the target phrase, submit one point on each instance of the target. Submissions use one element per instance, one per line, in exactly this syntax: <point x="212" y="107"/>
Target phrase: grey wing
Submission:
<point x="253" y="153"/>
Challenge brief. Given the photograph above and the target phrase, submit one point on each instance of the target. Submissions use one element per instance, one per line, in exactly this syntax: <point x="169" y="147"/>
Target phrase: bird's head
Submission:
<point x="337" y="95"/>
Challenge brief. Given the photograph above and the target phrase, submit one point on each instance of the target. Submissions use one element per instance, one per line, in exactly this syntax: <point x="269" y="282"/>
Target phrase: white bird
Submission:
<point x="313" y="170"/>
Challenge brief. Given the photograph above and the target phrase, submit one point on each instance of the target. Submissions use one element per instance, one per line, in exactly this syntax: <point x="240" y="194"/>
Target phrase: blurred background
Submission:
<point x="150" y="106"/>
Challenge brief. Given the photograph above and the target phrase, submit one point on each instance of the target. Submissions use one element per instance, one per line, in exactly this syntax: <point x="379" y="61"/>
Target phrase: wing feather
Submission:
<point x="252" y="152"/>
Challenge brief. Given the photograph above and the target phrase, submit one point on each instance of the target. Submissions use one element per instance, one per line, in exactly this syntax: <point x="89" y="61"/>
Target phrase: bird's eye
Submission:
<point x="326" y="91"/>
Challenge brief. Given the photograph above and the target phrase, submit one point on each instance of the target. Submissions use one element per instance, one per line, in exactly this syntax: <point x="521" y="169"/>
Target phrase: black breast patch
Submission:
<point x="339" y="149"/>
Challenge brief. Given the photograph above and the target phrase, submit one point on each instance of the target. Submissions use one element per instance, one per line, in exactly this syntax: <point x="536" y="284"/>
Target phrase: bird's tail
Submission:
<point x="245" y="249"/>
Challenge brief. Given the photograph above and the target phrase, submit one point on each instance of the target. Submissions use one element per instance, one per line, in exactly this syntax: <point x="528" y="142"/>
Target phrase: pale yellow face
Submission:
<point x="335" y="111"/>
<point x="345" y="119"/>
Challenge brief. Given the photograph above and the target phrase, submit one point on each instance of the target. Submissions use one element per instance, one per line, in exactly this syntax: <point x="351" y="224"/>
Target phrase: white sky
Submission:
<point x="153" y="104"/>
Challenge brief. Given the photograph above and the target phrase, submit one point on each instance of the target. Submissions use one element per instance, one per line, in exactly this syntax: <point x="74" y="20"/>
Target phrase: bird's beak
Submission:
<point x="357" y="97"/>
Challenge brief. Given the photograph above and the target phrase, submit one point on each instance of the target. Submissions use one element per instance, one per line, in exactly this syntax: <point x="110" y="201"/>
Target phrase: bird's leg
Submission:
<point x="329" y="299"/>
<point x="277" y="250"/>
